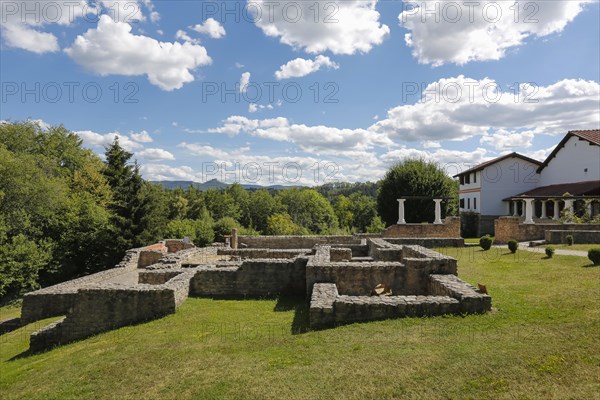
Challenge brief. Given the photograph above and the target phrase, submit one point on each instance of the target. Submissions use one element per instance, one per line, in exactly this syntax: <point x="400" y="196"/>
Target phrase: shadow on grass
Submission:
<point x="298" y="304"/>
<point x="590" y="266"/>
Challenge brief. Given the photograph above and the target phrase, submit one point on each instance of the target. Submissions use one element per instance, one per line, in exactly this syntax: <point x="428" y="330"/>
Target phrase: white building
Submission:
<point x="518" y="185"/>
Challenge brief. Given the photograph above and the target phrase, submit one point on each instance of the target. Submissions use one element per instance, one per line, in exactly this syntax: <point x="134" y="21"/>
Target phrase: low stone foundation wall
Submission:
<point x="263" y="253"/>
<point x="176" y="245"/>
<point x="453" y="296"/>
<point x="157" y="277"/>
<point x="111" y="306"/>
<point x="579" y="237"/>
<point x="471" y="301"/>
<point x="261" y="277"/>
<point x="407" y="274"/>
<point x="295" y="242"/>
<point x="508" y="228"/>
<point x="340" y="254"/>
<point x="58" y="299"/>
<point x="430" y="243"/>
<point x="149" y="257"/>
<point x="449" y="229"/>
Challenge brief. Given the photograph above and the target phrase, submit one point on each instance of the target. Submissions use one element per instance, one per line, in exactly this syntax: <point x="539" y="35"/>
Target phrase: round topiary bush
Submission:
<point x="486" y="242"/>
<point x="549" y="251"/>
<point x="513" y="245"/>
<point x="594" y="255"/>
<point x="570" y="240"/>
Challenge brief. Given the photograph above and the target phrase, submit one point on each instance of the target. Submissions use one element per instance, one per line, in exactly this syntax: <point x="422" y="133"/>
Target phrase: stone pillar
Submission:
<point x="588" y="207"/>
<point x="515" y="208"/>
<point x="234" y="238"/>
<point x="544" y="211"/>
<point x="528" y="211"/>
<point x="401" y="220"/>
<point x="556" y="210"/>
<point x="569" y="204"/>
<point x="438" y="212"/>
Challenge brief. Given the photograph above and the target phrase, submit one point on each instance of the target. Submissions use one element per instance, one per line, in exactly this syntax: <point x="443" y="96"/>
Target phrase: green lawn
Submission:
<point x="540" y="342"/>
<point x="580" y="247"/>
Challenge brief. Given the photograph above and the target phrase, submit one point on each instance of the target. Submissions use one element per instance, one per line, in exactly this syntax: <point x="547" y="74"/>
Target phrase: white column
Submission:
<point x="528" y="211"/>
<point x="438" y="212"/>
<point x="515" y="208"/>
<point x="569" y="204"/>
<point x="401" y="220"/>
<point x="589" y="209"/>
<point x="556" y="210"/>
<point x="544" y="211"/>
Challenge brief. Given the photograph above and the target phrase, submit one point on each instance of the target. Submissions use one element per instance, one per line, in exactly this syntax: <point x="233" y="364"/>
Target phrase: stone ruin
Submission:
<point x="345" y="279"/>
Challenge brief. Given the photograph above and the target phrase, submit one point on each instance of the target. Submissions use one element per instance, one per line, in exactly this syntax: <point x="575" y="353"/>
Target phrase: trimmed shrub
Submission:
<point x="486" y="242"/>
<point x="594" y="255"/>
<point x="513" y="245"/>
<point x="570" y="240"/>
<point x="549" y="251"/>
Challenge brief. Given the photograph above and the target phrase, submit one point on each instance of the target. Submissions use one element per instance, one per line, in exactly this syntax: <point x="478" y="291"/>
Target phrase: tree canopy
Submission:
<point x="415" y="177"/>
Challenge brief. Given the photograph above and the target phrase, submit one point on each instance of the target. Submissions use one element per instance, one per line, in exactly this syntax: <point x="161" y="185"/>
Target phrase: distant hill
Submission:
<point x="213" y="184"/>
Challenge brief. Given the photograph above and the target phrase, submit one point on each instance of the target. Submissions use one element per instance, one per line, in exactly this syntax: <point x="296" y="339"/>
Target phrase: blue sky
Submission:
<point x="340" y="91"/>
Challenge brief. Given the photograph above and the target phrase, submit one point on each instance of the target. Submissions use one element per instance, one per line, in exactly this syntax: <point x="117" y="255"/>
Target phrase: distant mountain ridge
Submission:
<point x="214" y="184"/>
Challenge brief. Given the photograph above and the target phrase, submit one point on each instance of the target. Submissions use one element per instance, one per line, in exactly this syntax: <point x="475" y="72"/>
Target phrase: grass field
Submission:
<point x="540" y="342"/>
<point x="580" y="247"/>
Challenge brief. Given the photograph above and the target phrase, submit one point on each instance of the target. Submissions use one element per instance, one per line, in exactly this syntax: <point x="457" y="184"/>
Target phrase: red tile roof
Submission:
<point x="592" y="136"/>
<point x="587" y="188"/>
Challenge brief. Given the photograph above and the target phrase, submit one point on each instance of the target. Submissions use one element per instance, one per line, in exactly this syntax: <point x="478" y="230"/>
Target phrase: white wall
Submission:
<point x="570" y="162"/>
<point x="503" y="179"/>
<point x="474" y="184"/>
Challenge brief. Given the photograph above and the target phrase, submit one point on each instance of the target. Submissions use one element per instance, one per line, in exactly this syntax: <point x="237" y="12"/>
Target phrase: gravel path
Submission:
<point x="541" y="250"/>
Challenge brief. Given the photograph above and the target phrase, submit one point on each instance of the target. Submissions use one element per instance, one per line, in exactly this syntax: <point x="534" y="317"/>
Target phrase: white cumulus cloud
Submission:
<point x="111" y="49"/>
<point x="300" y="67"/>
<point x="244" y="81"/>
<point x="210" y="27"/>
<point x="342" y="27"/>
<point x="460" y="107"/>
<point x="142" y="137"/>
<point x="442" y="32"/>
<point x="155" y="154"/>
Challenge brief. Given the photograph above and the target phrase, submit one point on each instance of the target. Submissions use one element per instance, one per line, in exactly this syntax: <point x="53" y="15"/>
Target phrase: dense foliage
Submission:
<point x="485" y="242"/>
<point x="594" y="255"/>
<point x="416" y="178"/>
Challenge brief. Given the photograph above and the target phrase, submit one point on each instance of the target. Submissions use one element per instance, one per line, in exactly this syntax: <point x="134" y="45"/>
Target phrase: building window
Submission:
<point x="475" y="203"/>
<point x="469" y="203"/>
<point x="474" y="177"/>
<point x="468" y="179"/>
<point x="462" y="203"/>
<point x="462" y="179"/>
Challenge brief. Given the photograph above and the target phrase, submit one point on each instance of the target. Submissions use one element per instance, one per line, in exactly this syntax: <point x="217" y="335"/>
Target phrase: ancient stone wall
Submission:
<point x="357" y="279"/>
<point x="110" y="306"/>
<point x="430" y="243"/>
<point x="262" y="253"/>
<point x="322" y="300"/>
<point x="294" y="242"/>
<point x="449" y="229"/>
<point x="340" y="254"/>
<point x="176" y="245"/>
<point x="259" y="277"/>
<point x="58" y="299"/>
<point x="508" y="228"/>
<point x="579" y="237"/>
<point x="471" y="301"/>
<point x="149" y="257"/>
